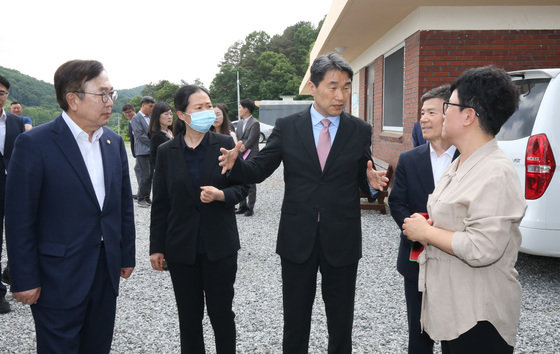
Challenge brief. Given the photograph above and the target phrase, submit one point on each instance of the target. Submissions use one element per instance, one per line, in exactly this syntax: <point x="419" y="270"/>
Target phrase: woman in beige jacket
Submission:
<point x="471" y="296"/>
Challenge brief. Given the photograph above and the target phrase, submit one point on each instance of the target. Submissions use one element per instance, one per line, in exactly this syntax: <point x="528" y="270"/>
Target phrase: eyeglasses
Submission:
<point x="447" y="104"/>
<point x="113" y="95"/>
<point x="3" y="93"/>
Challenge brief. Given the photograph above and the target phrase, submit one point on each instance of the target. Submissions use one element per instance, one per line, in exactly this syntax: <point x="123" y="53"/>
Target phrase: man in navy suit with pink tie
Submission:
<point x="70" y="222"/>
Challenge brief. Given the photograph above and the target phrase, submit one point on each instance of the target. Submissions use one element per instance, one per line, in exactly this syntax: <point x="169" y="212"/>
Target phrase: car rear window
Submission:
<point x="520" y="124"/>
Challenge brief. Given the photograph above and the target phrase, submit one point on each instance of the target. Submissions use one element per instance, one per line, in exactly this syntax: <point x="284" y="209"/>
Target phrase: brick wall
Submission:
<point x="433" y="58"/>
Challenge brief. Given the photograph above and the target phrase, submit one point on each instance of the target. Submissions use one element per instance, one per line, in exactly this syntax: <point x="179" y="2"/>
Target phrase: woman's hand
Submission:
<point x="209" y="194"/>
<point x="157" y="261"/>
<point x="416" y="228"/>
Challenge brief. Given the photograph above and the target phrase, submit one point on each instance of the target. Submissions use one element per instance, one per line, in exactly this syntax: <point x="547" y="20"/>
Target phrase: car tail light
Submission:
<point x="539" y="166"/>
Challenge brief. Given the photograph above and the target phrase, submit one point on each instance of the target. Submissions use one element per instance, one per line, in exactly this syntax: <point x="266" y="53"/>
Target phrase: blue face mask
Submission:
<point x="202" y="121"/>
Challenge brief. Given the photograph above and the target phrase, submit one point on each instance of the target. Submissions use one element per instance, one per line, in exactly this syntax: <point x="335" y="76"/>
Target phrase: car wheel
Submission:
<point x="263" y="138"/>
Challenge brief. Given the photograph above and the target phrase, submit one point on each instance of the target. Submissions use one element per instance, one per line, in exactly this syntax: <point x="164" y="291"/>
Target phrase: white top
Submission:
<point x="440" y="163"/>
<point x="91" y="153"/>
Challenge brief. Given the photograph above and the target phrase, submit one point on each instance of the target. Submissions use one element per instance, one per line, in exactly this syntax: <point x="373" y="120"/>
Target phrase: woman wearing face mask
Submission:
<point x="159" y="129"/>
<point x="193" y="224"/>
<point x="222" y="123"/>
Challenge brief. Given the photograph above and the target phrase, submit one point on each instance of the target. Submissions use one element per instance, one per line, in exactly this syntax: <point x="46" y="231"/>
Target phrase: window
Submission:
<point x="393" y="97"/>
<point x="369" y="92"/>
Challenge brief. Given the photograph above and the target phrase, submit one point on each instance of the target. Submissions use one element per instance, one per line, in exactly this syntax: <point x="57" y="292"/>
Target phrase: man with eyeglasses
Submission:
<point x="139" y="124"/>
<point x="10" y="127"/>
<point x="70" y="222"/>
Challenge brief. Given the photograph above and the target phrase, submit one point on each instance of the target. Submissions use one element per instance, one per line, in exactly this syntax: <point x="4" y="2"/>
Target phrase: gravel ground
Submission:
<point x="147" y="318"/>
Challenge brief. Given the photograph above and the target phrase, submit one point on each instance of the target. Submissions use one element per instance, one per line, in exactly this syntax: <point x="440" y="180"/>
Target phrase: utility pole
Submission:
<point x="238" y="100"/>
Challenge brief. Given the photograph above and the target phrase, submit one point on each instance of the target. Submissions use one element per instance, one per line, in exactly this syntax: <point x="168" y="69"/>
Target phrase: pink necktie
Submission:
<point x="324" y="144"/>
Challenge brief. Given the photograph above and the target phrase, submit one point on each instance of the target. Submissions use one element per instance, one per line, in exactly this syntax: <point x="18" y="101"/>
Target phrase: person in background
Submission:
<point x="159" y="129"/>
<point x="417" y="173"/>
<point x="222" y="124"/>
<point x="129" y="112"/>
<point x="193" y="226"/>
<point x="248" y="132"/>
<point x="417" y="136"/>
<point x="17" y="109"/>
<point x="70" y="222"/>
<point x="471" y="297"/>
<point x="320" y="227"/>
<point x="10" y="127"/>
<point x="142" y="168"/>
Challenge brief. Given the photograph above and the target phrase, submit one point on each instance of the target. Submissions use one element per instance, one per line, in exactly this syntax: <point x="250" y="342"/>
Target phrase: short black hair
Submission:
<point x="443" y="92"/>
<point x="247" y="103"/>
<point x="491" y="93"/>
<point x="128" y="106"/>
<point x="14" y="102"/>
<point x="327" y="62"/>
<point x="159" y="109"/>
<point x="147" y="99"/>
<point x="181" y="101"/>
<point x="72" y="75"/>
<point x="4" y="82"/>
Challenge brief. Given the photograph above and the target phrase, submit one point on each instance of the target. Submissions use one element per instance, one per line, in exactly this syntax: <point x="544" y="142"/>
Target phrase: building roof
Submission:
<point x="353" y="26"/>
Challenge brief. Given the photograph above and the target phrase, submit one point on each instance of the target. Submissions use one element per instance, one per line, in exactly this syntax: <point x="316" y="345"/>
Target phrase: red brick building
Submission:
<point x="403" y="51"/>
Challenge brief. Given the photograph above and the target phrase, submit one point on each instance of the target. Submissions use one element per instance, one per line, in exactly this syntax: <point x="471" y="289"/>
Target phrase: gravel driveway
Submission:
<point x="147" y="318"/>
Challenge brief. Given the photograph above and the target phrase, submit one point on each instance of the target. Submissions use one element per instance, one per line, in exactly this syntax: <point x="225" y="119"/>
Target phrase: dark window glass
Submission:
<point x="393" y="92"/>
<point x="520" y="124"/>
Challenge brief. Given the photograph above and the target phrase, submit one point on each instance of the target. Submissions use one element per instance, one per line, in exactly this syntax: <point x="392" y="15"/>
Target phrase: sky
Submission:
<point x="140" y="41"/>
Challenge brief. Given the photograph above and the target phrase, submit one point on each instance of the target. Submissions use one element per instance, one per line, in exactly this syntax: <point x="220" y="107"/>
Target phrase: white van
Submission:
<point x="531" y="138"/>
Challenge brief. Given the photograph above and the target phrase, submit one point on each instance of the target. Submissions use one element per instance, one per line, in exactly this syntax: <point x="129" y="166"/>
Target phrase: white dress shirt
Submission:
<point x="440" y="163"/>
<point x="91" y="153"/>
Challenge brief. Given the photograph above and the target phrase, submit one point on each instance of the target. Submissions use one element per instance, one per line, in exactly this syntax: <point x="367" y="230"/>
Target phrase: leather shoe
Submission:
<point x="6" y="276"/>
<point x="241" y="210"/>
<point x="249" y="213"/>
<point x="4" y="305"/>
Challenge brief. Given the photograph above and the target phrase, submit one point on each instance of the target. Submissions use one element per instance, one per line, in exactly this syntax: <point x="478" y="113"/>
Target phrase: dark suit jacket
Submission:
<point x="131" y="137"/>
<point x="412" y="184"/>
<point x="54" y="222"/>
<point x="156" y="139"/>
<point x="14" y="127"/>
<point x="417" y="137"/>
<point x="250" y="135"/>
<point x="334" y="192"/>
<point x="178" y="217"/>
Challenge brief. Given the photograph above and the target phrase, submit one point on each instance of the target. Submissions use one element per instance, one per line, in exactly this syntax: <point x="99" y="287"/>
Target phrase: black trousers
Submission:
<point x="144" y="176"/>
<point x="483" y="338"/>
<point x="87" y="328"/>
<point x="338" y="285"/>
<point x="250" y="200"/>
<point x="3" y="289"/>
<point x="211" y="282"/>
<point x="418" y="342"/>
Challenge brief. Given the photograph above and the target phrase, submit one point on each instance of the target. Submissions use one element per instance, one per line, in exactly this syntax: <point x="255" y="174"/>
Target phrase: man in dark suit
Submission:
<point x="10" y="127"/>
<point x="139" y="124"/>
<point x="416" y="175"/>
<point x="70" y="221"/>
<point x="249" y="132"/>
<point x="320" y="226"/>
<point x="130" y="112"/>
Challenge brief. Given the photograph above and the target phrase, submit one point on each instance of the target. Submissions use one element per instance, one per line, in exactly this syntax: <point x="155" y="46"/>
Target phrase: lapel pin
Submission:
<point x="108" y="142"/>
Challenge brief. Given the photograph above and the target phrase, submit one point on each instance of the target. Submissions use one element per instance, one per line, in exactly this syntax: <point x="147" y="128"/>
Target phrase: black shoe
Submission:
<point x="149" y="201"/>
<point x="6" y="276"/>
<point x="242" y="210"/>
<point x="135" y="197"/>
<point x="143" y="204"/>
<point x="4" y="305"/>
<point x="249" y="212"/>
